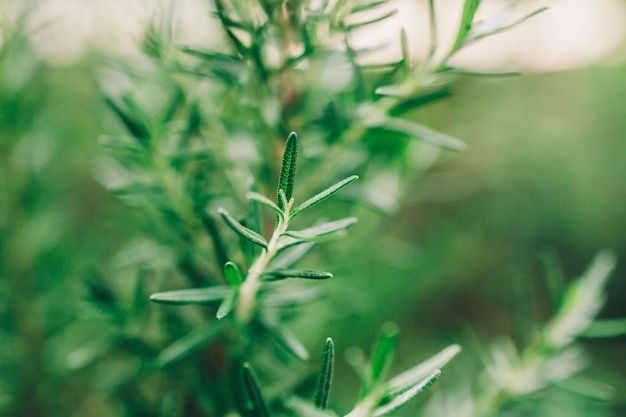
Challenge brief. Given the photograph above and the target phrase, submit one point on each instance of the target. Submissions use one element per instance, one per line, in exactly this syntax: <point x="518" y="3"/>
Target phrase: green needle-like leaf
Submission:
<point x="383" y="353"/>
<point x="324" y="381"/>
<point x="287" y="177"/>
<point x="324" y="195"/>
<point x="467" y="17"/>
<point x="192" y="296"/>
<point x="261" y="199"/>
<point x="243" y="231"/>
<point x="322" y="231"/>
<point x="253" y="391"/>
<point x="297" y="273"/>
<point x="189" y="344"/>
<point x="422" y="132"/>
<point x="285" y="338"/>
<point x="407" y="395"/>
<point x="412" y="376"/>
<point x="233" y="274"/>
<point x="227" y="305"/>
<point x="133" y="124"/>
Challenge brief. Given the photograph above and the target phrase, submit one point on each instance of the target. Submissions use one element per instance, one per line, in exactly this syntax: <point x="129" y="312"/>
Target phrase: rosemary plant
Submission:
<point x="197" y="314"/>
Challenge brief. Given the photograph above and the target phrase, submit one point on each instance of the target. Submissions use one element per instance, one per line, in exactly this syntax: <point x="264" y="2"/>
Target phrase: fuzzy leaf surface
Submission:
<point x="287" y="177"/>
<point x="412" y="376"/>
<point x="407" y="395"/>
<point x="325" y="379"/>
<point x="322" y="196"/>
<point x="297" y="273"/>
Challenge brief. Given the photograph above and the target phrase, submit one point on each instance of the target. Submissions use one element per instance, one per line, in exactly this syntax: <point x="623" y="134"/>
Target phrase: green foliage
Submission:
<point x="193" y="146"/>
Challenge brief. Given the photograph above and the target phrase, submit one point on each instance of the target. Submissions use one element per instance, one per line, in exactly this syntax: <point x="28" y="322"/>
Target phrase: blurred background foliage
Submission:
<point x="544" y="174"/>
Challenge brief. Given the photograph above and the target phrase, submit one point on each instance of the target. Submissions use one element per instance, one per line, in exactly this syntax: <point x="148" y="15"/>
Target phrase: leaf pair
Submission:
<point x="385" y="396"/>
<point x="225" y="295"/>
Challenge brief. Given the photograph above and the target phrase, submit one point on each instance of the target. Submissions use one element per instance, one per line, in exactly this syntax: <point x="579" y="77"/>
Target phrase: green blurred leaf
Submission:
<point x="189" y="344"/>
<point x="258" y="406"/>
<point x="227" y="305"/>
<point x="261" y="199"/>
<point x="383" y="354"/>
<point x="412" y="376"/>
<point x="243" y="231"/>
<point x="424" y="133"/>
<point x="285" y="338"/>
<point x="135" y="126"/>
<point x="605" y="328"/>
<point x="121" y="142"/>
<point x="322" y="231"/>
<point x="193" y="296"/>
<point x="304" y="409"/>
<point x="292" y="297"/>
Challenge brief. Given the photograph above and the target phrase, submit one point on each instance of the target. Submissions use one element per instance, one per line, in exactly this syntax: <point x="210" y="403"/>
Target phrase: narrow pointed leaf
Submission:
<point x="394" y="90"/>
<point x="475" y="35"/>
<point x="362" y="6"/>
<point x="467" y="17"/>
<point x="464" y="71"/>
<point x="134" y="126"/>
<point x="261" y="199"/>
<point x="322" y="231"/>
<point x="325" y="379"/>
<point x="124" y="143"/>
<point x="192" y="296"/>
<point x="383" y="353"/>
<point x="253" y="391"/>
<point x="289" y="256"/>
<point x="296" y="273"/>
<point x="233" y="274"/>
<point x="189" y="344"/>
<point x="243" y="231"/>
<point x="227" y="305"/>
<point x="412" y="376"/>
<point x="369" y="22"/>
<point x="420" y="100"/>
<point x="287" y="177"/>
<point x="286" y="339"/>
<point x="422" y="132"/>
<point x="605" y="328"/>
<point x="324" y="195"/>
<point x="407" y="395"/>
<point x="582" y="301"/>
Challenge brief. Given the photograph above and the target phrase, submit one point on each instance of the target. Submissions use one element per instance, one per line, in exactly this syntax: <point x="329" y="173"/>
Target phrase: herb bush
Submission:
<point x="263" y="179"/>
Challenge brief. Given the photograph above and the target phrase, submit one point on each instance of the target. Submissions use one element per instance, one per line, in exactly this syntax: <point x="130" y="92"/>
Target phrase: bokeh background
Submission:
<point x="544" y="173"/>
